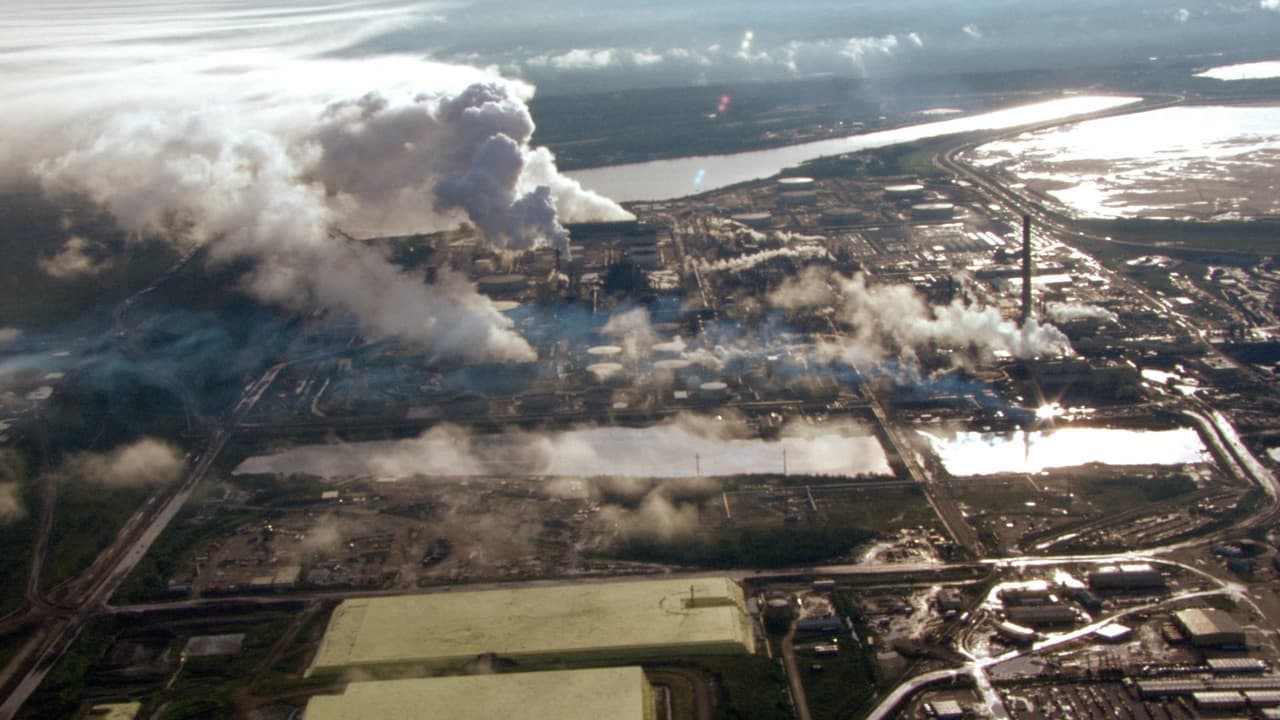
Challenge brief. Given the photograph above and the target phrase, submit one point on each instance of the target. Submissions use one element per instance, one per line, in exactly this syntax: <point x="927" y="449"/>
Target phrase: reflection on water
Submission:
<point x="671" y="450"/>
<point x="975" y="453"/>
<point x="1201" y="162"/>
<point x="1244" y="71"/>
<point x="666" y="179"/>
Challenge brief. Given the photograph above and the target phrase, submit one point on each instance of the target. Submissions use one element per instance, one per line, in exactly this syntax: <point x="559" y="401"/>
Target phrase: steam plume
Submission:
<point x="886" y="318"/>
<point x="259" y="155"/>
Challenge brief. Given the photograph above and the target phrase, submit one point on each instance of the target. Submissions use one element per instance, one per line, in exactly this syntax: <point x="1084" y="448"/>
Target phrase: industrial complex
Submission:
<point x="623" y="693"/>
<point x="574" y="625"/>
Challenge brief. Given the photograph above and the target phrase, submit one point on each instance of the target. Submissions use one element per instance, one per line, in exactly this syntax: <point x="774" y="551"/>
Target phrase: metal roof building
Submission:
<point x="1210" y="628"/>
<point x="623" y="693"/>
<point x="563" y="625"/>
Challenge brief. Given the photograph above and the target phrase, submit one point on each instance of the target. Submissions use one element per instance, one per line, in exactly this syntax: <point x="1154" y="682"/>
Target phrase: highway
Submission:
<point x="131" y="545"/>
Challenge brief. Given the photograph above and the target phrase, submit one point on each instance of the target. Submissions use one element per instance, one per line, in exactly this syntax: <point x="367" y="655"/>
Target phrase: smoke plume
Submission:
<point x="884" y="319"/>
<point x="746" y="262"/>
<point x="11" y="507"/>
<point x="259" y="155"/>
<point x="1066" y="312"/>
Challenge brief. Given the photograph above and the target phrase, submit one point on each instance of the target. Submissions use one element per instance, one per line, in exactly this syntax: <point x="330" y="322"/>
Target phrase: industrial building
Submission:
<point x="1127" y="576"/>
<point x="532" y="627"/>
<point x="1206" y="627"/>
<point x="623" y="693"/>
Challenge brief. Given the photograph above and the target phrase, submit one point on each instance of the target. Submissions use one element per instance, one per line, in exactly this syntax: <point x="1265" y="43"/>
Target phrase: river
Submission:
<point x="678" y="177"/>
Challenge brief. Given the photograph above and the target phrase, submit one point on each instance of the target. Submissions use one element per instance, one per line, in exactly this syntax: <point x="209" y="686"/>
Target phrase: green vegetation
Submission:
<point x="174" y="550"/>
<point x="17" y="530"/>
<point x="65" y="684"/>
<point x="746" y="547"/>
<point x="87" y="517"/>
<point x="751" y="686"/>
<point x="845" y="682"/>
<point x="1118" y="493"/>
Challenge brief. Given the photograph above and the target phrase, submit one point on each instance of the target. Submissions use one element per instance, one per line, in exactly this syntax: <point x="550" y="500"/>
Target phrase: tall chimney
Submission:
<point x="1027" y="310"/>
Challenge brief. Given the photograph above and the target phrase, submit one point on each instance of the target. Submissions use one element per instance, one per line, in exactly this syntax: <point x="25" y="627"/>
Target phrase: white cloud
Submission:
<point x="1269" y="5"/>
<point x="72" y="261"/>
<point x="1182" y="14"/>
<point x="972" y="31"/>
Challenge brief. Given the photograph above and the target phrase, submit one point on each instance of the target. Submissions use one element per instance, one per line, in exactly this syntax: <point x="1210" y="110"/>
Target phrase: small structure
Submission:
<point x="946" y="710"/>
<point x="115" y="711"/>
<point x="1016" y="633"/>
<point x="1114" y="633"/>
<point x="213" y="645"/>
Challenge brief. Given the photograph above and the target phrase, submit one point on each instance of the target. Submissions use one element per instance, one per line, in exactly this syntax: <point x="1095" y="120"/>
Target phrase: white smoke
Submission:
<point x="147" y="462"/>
<point x="1066" y="312"/>
<point x="72" y="261"/>
<point x="746" y="262"/>
<point x="633" y="331"/>
<point x="9" y="334"/>
<point x="883" y="319"/>
<point x="260" y="154"/>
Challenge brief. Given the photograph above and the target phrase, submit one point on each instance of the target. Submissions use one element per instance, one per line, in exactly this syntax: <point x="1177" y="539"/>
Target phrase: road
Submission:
<point x="130" y="546"/>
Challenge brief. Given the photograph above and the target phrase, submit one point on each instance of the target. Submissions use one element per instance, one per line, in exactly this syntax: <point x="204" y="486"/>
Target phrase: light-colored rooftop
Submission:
<point x="584" y="623"/>
<point x="622" y="693"/>
<point x="1206" y="621"/>
<point x="115" y="711"/>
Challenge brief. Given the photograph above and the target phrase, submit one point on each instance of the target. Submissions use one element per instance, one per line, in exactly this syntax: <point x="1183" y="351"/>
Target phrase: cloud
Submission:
<point x="9" y="334"/>
<point x="1269" y="5"/>
<point x="72" y="261"/>
<point x="259" y="154"/>
<point x="1182" y="14"/>
<point x="972" y="31"/>
<point x="11" y="507"/>
<point x="147" y="462"/>
<point x="795" y="57"/>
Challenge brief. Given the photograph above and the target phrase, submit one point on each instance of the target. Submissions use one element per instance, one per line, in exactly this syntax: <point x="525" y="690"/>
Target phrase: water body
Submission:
<point x="666" y="179"/>
<point x="1206" y="163"/>
<point x="671" y="450"/>
<point x="1244" y="71"/>
<point x="974" y="453"/>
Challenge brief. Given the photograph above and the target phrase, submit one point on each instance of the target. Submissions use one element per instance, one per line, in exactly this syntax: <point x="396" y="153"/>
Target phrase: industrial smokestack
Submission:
<point x="1027" y="310"/>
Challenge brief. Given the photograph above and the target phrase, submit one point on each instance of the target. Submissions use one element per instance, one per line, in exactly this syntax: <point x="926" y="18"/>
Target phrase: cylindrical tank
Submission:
<point x="933" y="211"/>
<point x="670" y="349"/>
<point x="671" y="371"/>
<point x="713" y="393"/>
<point x="604" y="353"/>
<point x="606" y="372"/>
<point x="841" y="216"/>
<point x="787" y="184"/>
<point x="755" y="220"/>
<point x="905" y="191"/>
<point x="798" y="198"/>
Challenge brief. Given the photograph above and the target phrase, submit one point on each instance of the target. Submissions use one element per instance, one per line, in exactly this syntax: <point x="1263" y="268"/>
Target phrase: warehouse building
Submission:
<point x="1210" y="628"/>
<point x="569" y="625"/>
<point x="623" y="693"/>
<point x="1127" y="576"/>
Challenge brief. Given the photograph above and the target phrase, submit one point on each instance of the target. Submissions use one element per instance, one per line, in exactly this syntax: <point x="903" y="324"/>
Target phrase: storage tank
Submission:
<point x="905" y="191"/>
<point x="511" y="283"/>
<point x="669" y="349"/>
<point x="607" y="372"/>
<point x="798" y="198"/>
<point x="754" y="220"/>
<point x="933" y="211"/>
<point x="841" y="216"/>
<point x="788" y="184"/>
<point x="604" y="353"/>
<point x="671" y="371"/>
<point x="713" y="393"/>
